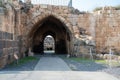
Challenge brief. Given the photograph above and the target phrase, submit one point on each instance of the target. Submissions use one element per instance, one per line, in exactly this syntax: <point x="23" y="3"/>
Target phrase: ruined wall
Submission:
<point x="107" y="29"/>
<point x="74" y="20"/>
<point x="8" y="40"/>
<point x="100" y="29"/>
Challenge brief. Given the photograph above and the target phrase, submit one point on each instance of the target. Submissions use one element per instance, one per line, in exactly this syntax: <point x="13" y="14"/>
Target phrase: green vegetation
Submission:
<point x="1" y="3"/>
<point x="27" y="59"/>
<point x="113" y="63"/>
<point x="117" y="7"/>
<point x="100" y="8"/>
<point x="82" y="60"/>
<point x="103" y="62"/>
<point x="97" y="9"/>
<point x="100" y="61"/>
<point x="23" y="61"/>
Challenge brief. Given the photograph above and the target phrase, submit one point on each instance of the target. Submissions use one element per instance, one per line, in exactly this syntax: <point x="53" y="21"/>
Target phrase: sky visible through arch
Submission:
<point x="82" y="5"/>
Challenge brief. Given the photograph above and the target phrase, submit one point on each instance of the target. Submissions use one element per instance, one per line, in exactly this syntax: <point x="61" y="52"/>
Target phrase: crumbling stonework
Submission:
<point x="107" y="29"/>
<point x="8" y="41"/>
<point x="24" y="26"/>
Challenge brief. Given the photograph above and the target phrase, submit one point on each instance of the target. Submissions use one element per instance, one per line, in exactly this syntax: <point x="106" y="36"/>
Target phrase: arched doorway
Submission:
<point x="49" y="45"/>
<point x="54" y="27"/>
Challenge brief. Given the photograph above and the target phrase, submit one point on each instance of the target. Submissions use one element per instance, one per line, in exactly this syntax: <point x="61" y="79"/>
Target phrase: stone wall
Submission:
<point x="99" y="29"/>
<point x="8" y="43"/>
<point x="72" y="19"/>
<point x="107" y="29"/>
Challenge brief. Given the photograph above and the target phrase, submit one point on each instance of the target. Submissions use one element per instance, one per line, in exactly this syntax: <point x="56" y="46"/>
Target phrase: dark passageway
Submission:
<point x="54" y="27"/>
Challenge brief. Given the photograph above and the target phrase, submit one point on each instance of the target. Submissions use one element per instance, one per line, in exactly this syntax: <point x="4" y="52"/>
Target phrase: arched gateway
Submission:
<point x="25" y="26"/>
<point x="49" y="25"/>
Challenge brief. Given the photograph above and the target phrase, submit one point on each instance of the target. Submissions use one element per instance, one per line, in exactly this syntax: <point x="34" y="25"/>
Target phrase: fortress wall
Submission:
<point x="108" y="29"/>
<point x="8" y="39"/>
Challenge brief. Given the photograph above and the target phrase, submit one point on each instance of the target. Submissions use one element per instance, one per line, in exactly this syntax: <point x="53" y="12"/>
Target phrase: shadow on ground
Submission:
<point x="24" y="66"/>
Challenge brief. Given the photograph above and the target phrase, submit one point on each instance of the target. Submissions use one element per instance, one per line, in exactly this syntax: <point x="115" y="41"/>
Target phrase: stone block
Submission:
<point x="3" y="61"/>
<point x="4" y="51"/>
<point x="2" y="44"/>
<point x="1" y="52"/>
<point x="119" y="58"/>
<point x="10" y="51"/>
<point x="44" y="6"/>
<point x="6" y="44"/>
<point x="16" y="44"/>
<point x="12" y="43"/>
<point x="0" y="34"/>
<point x="14" y="50"/>
<point x="3" y="35"/>
<point x="105" y="56"/>
<point x="7" y="35"/>
<point x="11" y="36"/>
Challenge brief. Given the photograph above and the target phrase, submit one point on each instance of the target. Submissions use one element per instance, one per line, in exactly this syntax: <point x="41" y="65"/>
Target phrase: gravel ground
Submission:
<point x="92" y="66"/>
<point x="28" y="66"/>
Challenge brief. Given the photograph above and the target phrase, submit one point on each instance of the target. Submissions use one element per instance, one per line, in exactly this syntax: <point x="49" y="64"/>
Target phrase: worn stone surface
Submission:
<point x="55" y="75"/>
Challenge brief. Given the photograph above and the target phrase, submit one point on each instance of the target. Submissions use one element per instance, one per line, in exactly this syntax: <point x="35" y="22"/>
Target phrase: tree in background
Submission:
<point x="117" y="7"/>
<point x="100" y="8"/>
<point x="97" y="9"/>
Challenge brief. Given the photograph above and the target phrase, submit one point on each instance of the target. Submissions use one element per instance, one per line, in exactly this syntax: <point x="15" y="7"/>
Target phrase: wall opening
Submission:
<point x="49" y="45"/>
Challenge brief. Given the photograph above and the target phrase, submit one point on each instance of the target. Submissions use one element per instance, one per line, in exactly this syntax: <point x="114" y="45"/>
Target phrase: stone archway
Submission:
<point x="50" y="25"/>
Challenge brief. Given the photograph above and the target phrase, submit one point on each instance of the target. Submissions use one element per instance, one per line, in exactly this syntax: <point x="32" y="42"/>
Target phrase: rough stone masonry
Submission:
<point x="23" y="27"/>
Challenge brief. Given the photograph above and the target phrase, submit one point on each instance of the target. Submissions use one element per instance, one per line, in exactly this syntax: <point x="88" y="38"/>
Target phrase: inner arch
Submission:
<point x="49" y="45"/>
<point x="54" y="27"/>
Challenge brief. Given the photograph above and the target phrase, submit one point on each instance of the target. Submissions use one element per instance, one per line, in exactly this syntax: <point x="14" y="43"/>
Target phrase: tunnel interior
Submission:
<point x="54" y="27"/>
